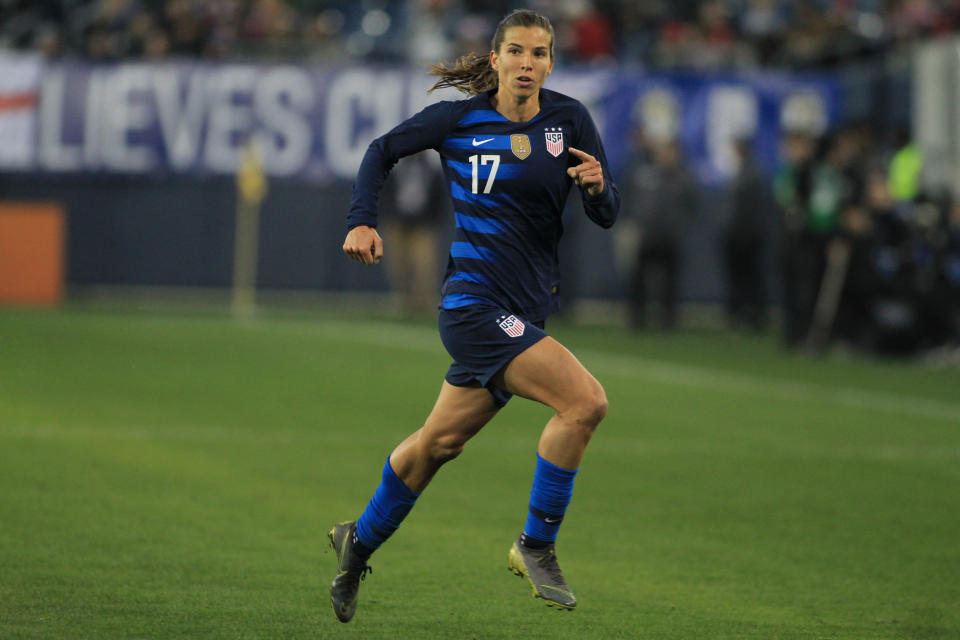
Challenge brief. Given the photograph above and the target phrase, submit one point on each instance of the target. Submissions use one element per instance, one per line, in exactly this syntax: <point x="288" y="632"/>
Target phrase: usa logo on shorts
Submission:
<point x="554" y="141"/>
<point x="512" y="326"/>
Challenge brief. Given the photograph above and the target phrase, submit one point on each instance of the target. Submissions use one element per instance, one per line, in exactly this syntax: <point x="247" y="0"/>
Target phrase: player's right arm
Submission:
<point x="364" y="244"/>
<point x="425" y="130"/>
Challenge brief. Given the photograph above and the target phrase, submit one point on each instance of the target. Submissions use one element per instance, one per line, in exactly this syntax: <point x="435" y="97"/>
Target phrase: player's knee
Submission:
<point x="591" y="407"/>
<point x="595" y="406"/>
<point x="446" y="448"/>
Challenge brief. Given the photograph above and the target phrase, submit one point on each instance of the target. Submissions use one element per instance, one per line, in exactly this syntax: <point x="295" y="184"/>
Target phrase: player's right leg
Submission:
<point x="457" y="416"/>
<point x="351" y="568"/>
<point x="459" y="413"/>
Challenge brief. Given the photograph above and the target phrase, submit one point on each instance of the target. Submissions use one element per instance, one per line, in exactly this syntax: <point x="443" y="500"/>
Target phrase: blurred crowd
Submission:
<point x="863" y="254"/>
<point x="867" y="255"/>
<point x="697" y="34"/>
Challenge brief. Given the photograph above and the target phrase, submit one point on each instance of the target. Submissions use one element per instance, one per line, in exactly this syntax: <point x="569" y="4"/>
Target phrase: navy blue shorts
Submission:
<point x="483" y="339"/>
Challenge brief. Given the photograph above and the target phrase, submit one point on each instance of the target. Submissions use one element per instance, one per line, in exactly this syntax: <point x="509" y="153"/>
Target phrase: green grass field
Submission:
<point x="173" y="475"/>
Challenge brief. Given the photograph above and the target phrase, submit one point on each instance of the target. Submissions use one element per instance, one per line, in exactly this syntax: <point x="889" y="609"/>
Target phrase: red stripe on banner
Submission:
<point x="14" y="101"/>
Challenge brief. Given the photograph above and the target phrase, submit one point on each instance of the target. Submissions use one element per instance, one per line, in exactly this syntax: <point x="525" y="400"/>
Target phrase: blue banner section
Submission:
<point x="313" y="124"/>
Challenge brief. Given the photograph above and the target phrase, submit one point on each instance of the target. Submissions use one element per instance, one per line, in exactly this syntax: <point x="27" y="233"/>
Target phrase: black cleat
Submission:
<point x="350" y="571"/>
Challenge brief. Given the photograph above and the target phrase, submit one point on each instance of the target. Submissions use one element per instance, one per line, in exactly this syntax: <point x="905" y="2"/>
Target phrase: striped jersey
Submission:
<point x="509" y="185"/>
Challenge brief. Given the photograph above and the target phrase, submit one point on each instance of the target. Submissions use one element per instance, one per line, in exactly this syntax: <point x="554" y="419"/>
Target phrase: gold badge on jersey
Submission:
<point x="520" y="145"/>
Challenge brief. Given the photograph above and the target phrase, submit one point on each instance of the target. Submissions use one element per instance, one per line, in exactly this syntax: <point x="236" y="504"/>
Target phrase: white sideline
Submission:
<point x="728" y="381"/>
<point x="424" y="340"/>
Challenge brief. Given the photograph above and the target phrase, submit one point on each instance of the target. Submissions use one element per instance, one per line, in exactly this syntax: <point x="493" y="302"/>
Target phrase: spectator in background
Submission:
<point x="702" y="34"/>
<point x="715" y="39"/>
<point x="900" y="254"/>
<point x="905" y="169"/>
<point x="835" y="195"/>
<point x="414" y="202"/>
<point x="220" y="20"/>
<point x="665" y="196"/>
<point x="638" y="24"/>
<point x="270" y="27"/>
<point x="471" y="32"/>
<point x="674" y="38"/>
<point x="323" y="34"/>
<point x="266" y="19"/>
<point x="951" y="279"/>
<point x="432" y="30"/>
<point x="593" y="35"/>
<point x="107" y="35"/>
<point x="48" y="41"/>
<point x="854" y="323"/>
<point x="187" y="35"/>
<point x="891" y="233"/>
<point x="792" y="184"/>
<point x="763" y="24"/>
<point x="744" y="240"/>
<point x="931" y="239"/>
<point x="806" y="42"/>
<point x="141" y="30"/>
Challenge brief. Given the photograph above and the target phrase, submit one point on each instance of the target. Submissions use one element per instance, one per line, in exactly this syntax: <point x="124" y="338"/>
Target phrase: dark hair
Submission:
<point x="472" y="73"/>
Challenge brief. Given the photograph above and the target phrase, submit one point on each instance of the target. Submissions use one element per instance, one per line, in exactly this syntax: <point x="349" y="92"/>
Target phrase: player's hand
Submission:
<point x="364" y="244"/>
<point x="588" y="173"/>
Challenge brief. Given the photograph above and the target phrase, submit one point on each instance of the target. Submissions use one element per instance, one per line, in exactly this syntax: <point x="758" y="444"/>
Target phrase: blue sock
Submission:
<point x="549" y="497"/>
<point x="386" y="510"/>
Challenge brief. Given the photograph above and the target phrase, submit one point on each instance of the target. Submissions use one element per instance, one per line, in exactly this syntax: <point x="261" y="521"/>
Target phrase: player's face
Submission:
<point x="523" y="61"/>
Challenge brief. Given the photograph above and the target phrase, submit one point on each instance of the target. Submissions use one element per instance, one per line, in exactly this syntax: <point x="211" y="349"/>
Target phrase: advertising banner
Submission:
<point x="19" y="94"/>
<point x="314" y="123"/>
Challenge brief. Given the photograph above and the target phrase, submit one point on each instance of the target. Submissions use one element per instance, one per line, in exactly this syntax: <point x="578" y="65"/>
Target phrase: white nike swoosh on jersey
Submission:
<point x="477" y="143"/>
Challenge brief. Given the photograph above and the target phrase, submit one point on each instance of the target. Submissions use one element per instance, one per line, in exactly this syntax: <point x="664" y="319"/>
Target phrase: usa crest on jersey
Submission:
<point x="554" y="137"/>
<point x="512" y="326"/>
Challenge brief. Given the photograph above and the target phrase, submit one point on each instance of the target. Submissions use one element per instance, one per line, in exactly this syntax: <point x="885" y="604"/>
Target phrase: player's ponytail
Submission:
<point x="472" y="74"/>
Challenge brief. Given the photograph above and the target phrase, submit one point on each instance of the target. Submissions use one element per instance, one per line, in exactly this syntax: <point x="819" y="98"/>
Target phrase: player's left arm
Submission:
<point x="588" y="174"/>
<point x="590" y="170"/>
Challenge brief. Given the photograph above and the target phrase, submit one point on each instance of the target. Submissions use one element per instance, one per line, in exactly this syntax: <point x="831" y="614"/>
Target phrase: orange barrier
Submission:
<point x="32" y="247"/>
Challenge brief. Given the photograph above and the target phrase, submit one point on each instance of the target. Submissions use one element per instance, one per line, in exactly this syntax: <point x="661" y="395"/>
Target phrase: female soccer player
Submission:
<point x="510" y="154"/>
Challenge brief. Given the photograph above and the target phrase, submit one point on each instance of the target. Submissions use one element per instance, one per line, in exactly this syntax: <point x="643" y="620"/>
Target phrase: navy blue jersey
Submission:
<point x="509" y="184"/>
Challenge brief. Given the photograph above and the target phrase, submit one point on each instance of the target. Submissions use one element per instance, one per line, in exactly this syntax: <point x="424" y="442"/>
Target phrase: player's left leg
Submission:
<point x="548" y="373"/>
